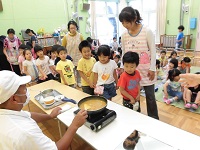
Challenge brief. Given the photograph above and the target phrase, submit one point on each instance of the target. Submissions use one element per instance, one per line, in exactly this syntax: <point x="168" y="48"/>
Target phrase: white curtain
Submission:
<point x="161" y="18"/>
<point x="93" y="19"/>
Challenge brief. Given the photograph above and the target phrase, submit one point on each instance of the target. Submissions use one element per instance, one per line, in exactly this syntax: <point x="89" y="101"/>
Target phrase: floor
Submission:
<point x="177" y="117"/>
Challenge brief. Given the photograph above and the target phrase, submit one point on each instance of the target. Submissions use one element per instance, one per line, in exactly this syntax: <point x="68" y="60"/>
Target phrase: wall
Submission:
<point x="173" y="17"/>
<point x="35" y="14"/>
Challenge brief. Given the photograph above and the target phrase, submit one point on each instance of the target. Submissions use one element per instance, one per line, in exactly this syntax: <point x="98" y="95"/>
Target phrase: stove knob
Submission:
<point x="92" y="127"/>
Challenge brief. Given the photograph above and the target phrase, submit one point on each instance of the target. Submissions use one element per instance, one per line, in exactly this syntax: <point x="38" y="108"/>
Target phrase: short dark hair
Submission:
<point x="83" y="44"/>
<point x="10" y="31"/>
<point x="117" y="56"/>
<point x="186" y="59"/>
<point x="89" y="39"/>
<point x="163" y="51"/>
<point x="129" y="14"/>
<point x="55" y="48"/>
<point x="114" y="38"/>
<point x="23" y="46"/>
<point x="173" y="73"/>
<point x="38" y="48"/>
<point x="172" y="53"/>
<point x="181" y="27"/>
<point x="158" y="63"/>
<point x="131" y="57"/>
<point x="174" y="61"/>
<point x="104" y="49"/>
<point x="72" y="22"/>
<point x="61" y="48"/>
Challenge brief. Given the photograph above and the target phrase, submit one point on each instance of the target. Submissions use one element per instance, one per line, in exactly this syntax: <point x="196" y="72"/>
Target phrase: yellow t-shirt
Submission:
<point x="86" y="65"/>
<point x="67" y="70"/>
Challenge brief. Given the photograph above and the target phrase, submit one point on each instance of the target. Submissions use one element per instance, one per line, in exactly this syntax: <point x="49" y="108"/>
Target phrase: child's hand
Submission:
<point x="116" y="87"/>
<point x="91" y="84"/>
<point x="138" y="97"/>
<point x="132" y="100"/>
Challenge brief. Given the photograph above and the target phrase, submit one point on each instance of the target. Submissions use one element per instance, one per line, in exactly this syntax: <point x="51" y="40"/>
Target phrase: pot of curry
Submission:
<point x="93" y="104"/>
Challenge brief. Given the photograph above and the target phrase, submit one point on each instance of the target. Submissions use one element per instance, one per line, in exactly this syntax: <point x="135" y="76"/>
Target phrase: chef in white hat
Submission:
<point x="19" y="129"/>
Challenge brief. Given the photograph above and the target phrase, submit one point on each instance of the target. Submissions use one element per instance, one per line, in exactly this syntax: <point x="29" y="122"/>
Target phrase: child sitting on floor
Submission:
<point x="159" y="71"/>
<point x="184" y="66"/>
<point x="191" y="96"/>
<point x="172" y="87"/>
<point x="163" y="58"/>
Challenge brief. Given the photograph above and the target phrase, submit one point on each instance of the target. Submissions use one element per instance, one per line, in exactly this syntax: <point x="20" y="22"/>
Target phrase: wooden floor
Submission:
<point x="177" y="117"/>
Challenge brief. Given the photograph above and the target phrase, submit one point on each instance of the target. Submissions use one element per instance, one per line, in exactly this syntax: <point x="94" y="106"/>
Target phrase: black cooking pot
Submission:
<point x="93" y="97"/>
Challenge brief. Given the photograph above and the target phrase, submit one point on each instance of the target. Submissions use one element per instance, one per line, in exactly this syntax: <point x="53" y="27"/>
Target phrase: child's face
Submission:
<point x="116" y="59"/>
<point x="129" y="68"/>
<point x="179" y="30"/>
<point x="21" y="51"/>
<point x="72" y="29"/>
<point x="40" y="54"/>
<point x="28" y="55"/>
<point x="63" y="55"/>
<point x="11" y="36"/>
<point x="176" y="78"/>
<point x="53" y="55"/>
<point x="86" y="52"/>
<point x="103" y="59"/>
<point x="174" y="56"/>
<point x="115" y="40"/>
<point x="162" y="55"/>
<point x="171" y="66"/>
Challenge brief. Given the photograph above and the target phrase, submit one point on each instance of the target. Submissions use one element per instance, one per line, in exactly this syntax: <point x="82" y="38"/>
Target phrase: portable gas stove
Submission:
<point x="97" y="121"/>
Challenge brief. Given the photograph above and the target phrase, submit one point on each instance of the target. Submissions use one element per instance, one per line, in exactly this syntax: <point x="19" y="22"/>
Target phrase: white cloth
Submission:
<point x="31" y="68"/>
<point x="44" y="65"/>
<point x="105" y="72"/>
<point x="18" y="131"/>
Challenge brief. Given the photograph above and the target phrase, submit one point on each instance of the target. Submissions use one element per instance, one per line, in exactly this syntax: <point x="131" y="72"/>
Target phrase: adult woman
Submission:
<point x="11" y="46"/>
<point x="71" y="41"/>
<point x="140" y="39"/>
<point x="33" y="40"/>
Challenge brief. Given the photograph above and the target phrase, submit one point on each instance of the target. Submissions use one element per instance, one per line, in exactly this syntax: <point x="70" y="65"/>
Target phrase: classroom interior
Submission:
<point x="98" y="19"/>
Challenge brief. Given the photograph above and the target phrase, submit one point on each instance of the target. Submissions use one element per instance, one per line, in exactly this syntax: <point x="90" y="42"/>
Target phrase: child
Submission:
<point x="173" y="55"/>
<point x="163" y="58"/>
<point x="21" y="58"/>
<point x="29" y="65"/>
<point x="117" y="60"/>
<point x="65" y="68"/>
<point x="114" y="44"/>
<point x="129" y="82"/>
<point x="172" y="87"/>
<point x="140" y="39"/>
<point x="85" y="65"/>
<point x="159" y="70"/>
<point x="184" y="66"/>
<point x="42" y="64"/>
<point x="105" y="72"/>
<point x="173" y="63"/>
<point x="180" y="37"/>
<point x="54" y="50"/>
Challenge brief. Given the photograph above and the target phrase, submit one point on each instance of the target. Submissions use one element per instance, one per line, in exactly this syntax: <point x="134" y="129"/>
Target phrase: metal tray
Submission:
<point x="55" y="93"/>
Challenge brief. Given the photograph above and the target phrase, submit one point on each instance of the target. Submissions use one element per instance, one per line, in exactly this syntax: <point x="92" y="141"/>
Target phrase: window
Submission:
<point x="106" y="21"/>
<point x="147" y="9"/>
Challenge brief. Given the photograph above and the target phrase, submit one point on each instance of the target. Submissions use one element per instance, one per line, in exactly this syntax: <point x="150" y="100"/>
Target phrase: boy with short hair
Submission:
<point x="43" y="65"/>
<point x="114" y="45"/>
<point x="184" y="65"/>
<point x="65" y="68"/>
<point x="85" y="66"/>
<point x="129" y="81"/>
<point x="180" y="37"/>
<point x="163" y="59"/>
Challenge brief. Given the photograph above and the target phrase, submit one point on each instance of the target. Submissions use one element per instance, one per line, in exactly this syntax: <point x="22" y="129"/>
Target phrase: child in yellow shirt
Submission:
<point x="85" y="65"/>
<point x="65" y="68"/>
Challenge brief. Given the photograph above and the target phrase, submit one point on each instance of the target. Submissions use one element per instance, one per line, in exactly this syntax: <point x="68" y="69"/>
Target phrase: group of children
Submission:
<point x="168" y="70"/>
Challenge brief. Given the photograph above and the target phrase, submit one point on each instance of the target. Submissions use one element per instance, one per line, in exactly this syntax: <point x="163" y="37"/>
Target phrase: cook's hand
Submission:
<point x="151" y="75"/>
<point x="79" y="119"/>
<point x="189" y="79"/>
<point x="55" y="112"/>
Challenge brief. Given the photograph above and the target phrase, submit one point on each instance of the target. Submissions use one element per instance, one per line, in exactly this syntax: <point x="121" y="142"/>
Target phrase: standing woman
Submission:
<point x="71" y="41"/>
<point x="140" y="39"/>
<point x="33" y="41"/>
<point x="11" y="50"/>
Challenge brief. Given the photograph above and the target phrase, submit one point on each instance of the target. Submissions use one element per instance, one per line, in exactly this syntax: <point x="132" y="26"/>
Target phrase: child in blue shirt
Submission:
<point x="180" y="36"/>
